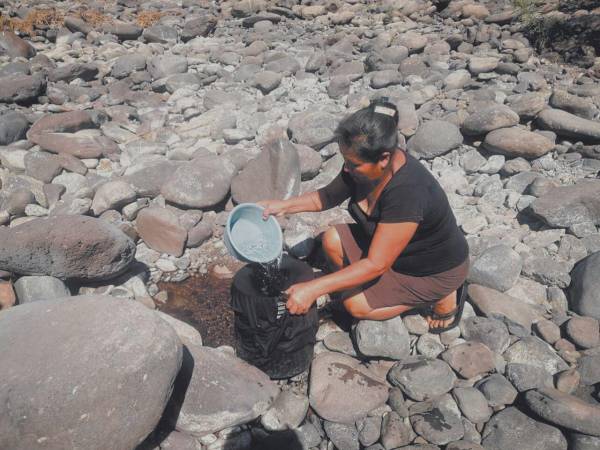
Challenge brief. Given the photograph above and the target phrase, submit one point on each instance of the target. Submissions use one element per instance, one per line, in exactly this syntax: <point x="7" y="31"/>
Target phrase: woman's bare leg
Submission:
<point x="332" y="247"/>
<point x="443" y="306"/>
<point x="358" y="307"/>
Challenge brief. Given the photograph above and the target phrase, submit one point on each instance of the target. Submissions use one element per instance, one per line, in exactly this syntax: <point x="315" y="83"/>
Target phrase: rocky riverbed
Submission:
<point x="130" y="129"/>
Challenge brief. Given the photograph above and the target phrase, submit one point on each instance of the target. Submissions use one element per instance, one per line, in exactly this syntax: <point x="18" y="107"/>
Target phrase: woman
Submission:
<point x="405" y="250"/>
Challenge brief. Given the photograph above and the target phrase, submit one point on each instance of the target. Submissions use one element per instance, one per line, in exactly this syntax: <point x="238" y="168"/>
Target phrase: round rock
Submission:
<point x="422" y="378"/>
<point x="498" y="268"/>
<point x="516" y="142"/>
<point x="434" y="138"/>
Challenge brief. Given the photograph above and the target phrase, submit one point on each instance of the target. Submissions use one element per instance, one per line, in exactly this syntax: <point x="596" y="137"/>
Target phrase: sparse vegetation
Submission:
<point x="38" y="18"/>
<point x="148" y="18"/>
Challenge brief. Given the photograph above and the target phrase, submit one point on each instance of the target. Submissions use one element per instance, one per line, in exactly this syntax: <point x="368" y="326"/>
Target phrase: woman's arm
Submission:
<point x="388" y="242"/>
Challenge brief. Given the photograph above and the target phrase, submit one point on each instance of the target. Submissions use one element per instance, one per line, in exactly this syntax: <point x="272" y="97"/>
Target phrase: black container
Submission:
<point x="266" y="335"/>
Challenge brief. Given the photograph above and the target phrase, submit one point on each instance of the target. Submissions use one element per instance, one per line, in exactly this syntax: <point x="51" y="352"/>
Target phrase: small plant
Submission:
<point x="148" y="18"/>
<point x="537" y="26"/>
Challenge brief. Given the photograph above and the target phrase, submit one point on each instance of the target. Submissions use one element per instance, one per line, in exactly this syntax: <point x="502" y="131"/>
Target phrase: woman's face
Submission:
<point x="360" y="170"/>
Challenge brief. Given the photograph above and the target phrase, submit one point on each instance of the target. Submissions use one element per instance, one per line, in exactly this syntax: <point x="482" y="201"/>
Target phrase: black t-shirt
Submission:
<point x="411" y="195"/>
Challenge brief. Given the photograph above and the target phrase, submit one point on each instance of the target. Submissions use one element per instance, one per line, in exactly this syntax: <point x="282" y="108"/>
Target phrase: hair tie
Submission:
<point x="384" y="110"/>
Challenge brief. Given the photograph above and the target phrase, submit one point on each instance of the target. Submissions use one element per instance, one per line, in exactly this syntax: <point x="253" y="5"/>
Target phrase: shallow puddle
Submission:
<point x="203" y="302"/>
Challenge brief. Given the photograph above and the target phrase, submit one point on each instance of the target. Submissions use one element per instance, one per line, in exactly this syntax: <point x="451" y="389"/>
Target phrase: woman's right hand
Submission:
<point x="272" y="208"/>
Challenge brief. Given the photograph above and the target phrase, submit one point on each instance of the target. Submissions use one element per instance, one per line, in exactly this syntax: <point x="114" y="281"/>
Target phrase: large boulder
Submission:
<point x="498" y="267"/>
<point x="13" y="46"/>
<point x="570" y="125"/>
<point x="343" y="390"/>
<point x="161" y="231"/>
<point x="516" y="142"/>
<point x="535" y="352"/>
<point x="564" y="410"/>
<point x="489" y="119"/>
<point x="202" y="183"/>
<point x="84" y="379"/>
<point x="584" y="291"/>
<point x="216" y="390"/>
<point x="66" y="247"/>
<point x="434" y="138"/>
<point x="21" y="88"/>
<point x="275" y="173"/>
<point x="382" y="338"/>
<point x="563" y="206"/>
<point x="510" y="428"/>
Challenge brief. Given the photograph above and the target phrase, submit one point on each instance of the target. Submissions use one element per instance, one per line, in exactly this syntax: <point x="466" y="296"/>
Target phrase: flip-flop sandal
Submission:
<point x="456" y="313"/>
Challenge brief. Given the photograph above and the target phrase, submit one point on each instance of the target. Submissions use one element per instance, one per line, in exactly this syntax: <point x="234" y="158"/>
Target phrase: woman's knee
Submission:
<point x="332" y="244"/>
<point x="357" y="307"/>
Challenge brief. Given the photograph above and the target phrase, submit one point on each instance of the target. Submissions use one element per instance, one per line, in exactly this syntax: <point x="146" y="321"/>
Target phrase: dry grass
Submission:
<point x="94" y="17"/>
<point x="38" y="18"/>
<point x="148" y="18"/>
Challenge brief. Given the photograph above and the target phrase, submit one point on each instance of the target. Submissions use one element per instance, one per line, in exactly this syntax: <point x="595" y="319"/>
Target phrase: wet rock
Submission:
<point x="564" y="410"/>
<point x="342" y="390"/>
<point x="21" y="88"/>
<point x="510" y="428"/>
<point x="13" y="126"/>
<point x="13" y="46"/>
<point x="32" y="289"/>
<point x="199" y="406"/>
<point x="569" y="125"/>
<point x="498" y="267"/>
<point x="278" y="163"/>
<point x="470" y="359"/>
<point x="496" y="304"/>
<point x="584" y="292"/>
<point x="534" y="351"/>
<point x="202" y="183"/>
<point x="434" y="138"/>
<point x="422" y="378"/>
<point x="489" y="119"/>
<point x="491" y="332"/>
<point x="527" y="376"/>
<point x="66" y="247"/>
<point x="472" y="404"/>
<point x="133" y="381"/>
<point x="497" y="390"/>
<point x="384" y="339"/>
<point x="517" y="142"/>
<point x="112" y="195"/>
<point x="161" y="231"/>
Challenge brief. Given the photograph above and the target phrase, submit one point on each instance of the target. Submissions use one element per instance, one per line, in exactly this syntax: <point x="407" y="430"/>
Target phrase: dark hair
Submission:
<point x="370" y="131"/>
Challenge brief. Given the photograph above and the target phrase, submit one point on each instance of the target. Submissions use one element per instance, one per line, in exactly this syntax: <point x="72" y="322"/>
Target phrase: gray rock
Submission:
<point x="266" y="81"/>
<point x="310" y="162"/>
<point x="517" y="142"/>
<point x="343" y="390"/>
<point x="534" y="351"/>
<point x="190" y="81"/>
<point x="547" y="270"/>
<point x="340" y="341"/>
<point x="78" y="364"/>
<point x="434" y="138"/>
<point x="510" y="428"/>
<point x="275" y="173"/>
<point x="566" y="206"/>
<point x="32" y="289"/>
<point x="203" y="182"/>
<point x="112" y="195"/>
<point x="21" y="88"/>
<point x="422" y="378"/>
<point x="384" y="78"/>
<point x="202" y="26"/>
<point x="70" y="72"/>
<point x="489" y="119"/>
<point x="343" y="436"/>
<point x="383" y="339"/>
<point x="286" y="412"/>
<point x="13" y="46"/>
<point x="548" y="331"/>
<point x="498" y="267"/>
<point x="482" y="64"/>
<point x="127" y="64"/>
<point x="369" y="430"/>
<point x="584" y="292"/>
<point x="162" y="34"/>
<point x="472" y="404"/>
<point x="338" y="87"/>
<point x="569" y="125"/>
<point x="491" y="332"/>
<point x="429" y="345"/>
<point x="81" y="144"/>
<point x="315" y="129"/>
<point x="198" y="406"/>
<point x="440" y="425"/>
<point x="521" y="181"/>
<point x="527" y="376"/>
<point x="165" y="65"/>
<point x="578" y="441"/>
<point x="470" y="359"/>
<point x="496" y="304"/>
<point x="583" y="331"/>
<point x="66" y="247"/>
<point x="123" y="30"/>
<point x="188" y="335"/>
<point x="580" y="106"/>
<point x="527" y="105"/>
<point x="161" y="231"/>
<point x="457" y="79"/>
<point x="463" y="445"/>
<point x="589" y="368"/>
<point x="395" y="431"/>
<point x="13" y="126"/>
<point x="565" y="410"/>
<point x="497" y="390"/>
<point x="42" y="166"/>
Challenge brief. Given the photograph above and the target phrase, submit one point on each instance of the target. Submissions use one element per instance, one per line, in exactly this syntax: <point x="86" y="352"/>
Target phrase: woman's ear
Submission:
<point x="385" y="159"/>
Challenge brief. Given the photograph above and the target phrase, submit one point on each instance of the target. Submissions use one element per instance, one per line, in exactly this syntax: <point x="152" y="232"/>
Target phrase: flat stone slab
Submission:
<point x="567" y="124"/>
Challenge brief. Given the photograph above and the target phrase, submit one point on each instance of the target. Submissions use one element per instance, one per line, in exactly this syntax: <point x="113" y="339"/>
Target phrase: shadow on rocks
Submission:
<point x="167" y="422"/>
<point x="277" y="440"/>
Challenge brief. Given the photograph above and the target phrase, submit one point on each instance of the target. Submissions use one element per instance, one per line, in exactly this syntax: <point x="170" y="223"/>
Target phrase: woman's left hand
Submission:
<point x="300" y="296"/>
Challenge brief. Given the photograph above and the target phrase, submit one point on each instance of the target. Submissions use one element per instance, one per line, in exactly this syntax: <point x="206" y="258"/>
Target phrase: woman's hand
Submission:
<point x="301" y="297"/>
<point x="272" y="208"/>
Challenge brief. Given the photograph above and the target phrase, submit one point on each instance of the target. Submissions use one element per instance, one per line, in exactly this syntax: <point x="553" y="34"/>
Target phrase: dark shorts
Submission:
<point x="394" y="288"/>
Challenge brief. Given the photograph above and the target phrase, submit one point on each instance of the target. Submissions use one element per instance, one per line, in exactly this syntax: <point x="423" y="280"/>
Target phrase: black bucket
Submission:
<point x="266" y="335"/>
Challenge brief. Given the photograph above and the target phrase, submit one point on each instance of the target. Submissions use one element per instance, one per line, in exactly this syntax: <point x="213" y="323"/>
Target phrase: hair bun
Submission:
<point x="383" y="105"/>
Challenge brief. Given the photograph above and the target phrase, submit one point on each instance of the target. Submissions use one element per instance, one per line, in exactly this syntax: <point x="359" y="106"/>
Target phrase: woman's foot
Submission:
<point x="444" y="307"/>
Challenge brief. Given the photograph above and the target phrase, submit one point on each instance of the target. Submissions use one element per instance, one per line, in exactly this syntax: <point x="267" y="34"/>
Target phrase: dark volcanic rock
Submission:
<point x="83" y="379"/>
<point x="13" y="126"/>
<point x="584" y="291"/>
<point x="66" y="247"/>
